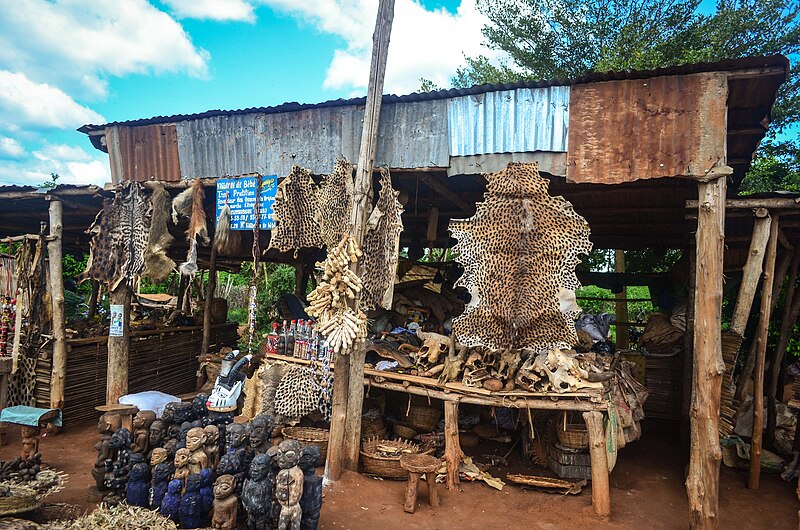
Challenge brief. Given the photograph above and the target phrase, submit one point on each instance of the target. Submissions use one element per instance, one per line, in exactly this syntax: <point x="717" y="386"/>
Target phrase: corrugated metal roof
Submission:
<point x="509" y="121"/>
<point x="728" y="65"/>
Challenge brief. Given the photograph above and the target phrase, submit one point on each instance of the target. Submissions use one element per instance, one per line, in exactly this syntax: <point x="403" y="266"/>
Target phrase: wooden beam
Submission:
<point x="118" y="346"/>
<point x="702" y="482"/>
<point x="601" y="494"/>
<point x="770" y="204"/>
<point x="765" y="71"/>
<point x="761" y="352"/>
<point x="746" y="131"/>
<point x="784" y="241"/>
<point x="452" y="446"/>
<point x="621" y="304"/>
<point x="751" y="274"/>
<point x="54" y="258"/>
<point x="439" y="187"/>
<point x="212" y="285"/>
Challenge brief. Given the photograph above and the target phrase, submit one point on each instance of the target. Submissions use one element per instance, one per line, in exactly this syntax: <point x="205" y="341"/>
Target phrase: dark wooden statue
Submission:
<point x="207" y="493"/>
<point x="177" y="412"/>
<point x="238" y="438"/>
<point x="289" y="485"/>
<point x="161" y="476"/>
<point x="311" y="501"/>
<point x="108" y="424"/>
<point x="226" y="504"/>
<point x="141" y="431"/>
<point x="118" y="467"/>
<point x="137" y="491"/>
<point x="191" y="507"/>
<point x="170" y="505"/>
<point x="261" y="433"/>
<point x="257" y="493"/>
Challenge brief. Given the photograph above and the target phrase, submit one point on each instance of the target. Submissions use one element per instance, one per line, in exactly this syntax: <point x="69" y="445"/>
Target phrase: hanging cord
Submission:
<point x="253" y="305"/>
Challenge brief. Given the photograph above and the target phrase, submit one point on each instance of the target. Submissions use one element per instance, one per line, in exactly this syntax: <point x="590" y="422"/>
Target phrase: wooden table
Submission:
<point x="592" y="404"/>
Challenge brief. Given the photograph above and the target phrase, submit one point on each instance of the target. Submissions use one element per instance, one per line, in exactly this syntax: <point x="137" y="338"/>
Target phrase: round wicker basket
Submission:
<point x="309" y="436"/>
<point x="374" y="463"/>
<point x="573" y="436"/>
<point x="21" y="499"/>
<point x="404" y="431"/>
<point x="423" y="419"/>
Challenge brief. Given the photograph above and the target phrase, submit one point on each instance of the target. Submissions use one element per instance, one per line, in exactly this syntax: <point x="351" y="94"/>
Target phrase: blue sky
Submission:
<point x="64" y="63"/>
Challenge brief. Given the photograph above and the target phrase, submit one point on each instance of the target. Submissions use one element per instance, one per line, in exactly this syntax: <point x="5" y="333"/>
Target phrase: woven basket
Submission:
<point x="573" y="436"/>
<point x="309" y="436"/>
<point x="382" y="466"/>
<point x="404" y="431"/>
<point x="372" y="428"/>
<point x="423" y="419"/>
<point x="219" y="311"/>
<point x="22" y="499"/>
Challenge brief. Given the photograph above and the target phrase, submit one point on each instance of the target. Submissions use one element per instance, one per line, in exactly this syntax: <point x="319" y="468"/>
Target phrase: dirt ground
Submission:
<point x="646" y="492"/>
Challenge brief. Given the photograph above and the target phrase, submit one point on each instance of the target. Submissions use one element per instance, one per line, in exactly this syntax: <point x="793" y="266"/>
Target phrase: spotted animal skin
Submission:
<point x="294" y="210"/>
<point x="519" y="253"/>
<point x="335" y="203"/>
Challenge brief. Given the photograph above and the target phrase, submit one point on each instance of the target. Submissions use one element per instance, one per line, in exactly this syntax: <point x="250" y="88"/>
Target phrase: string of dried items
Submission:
<point x="189" y="203"/>
<point x="332" y="300"/>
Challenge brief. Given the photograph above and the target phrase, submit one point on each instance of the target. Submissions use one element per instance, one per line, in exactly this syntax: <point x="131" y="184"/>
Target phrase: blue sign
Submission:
<point x="240" y="195"/>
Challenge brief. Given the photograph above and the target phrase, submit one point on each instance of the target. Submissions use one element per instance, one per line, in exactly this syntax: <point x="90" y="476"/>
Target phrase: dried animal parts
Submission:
<point x="332" y="300"/>
<point x="120" y="236"/>
<point x="560" y="371"/>
<point x="294" y="211"/>
<point x="157" y="265"/>
<point x="297" y="394"/>
<point x="491" y="370"/>
<point x="335" y="203"/>
<point x="189" y="203"/>
<point x="381" y="247"/>
<point x="519" y="253"/>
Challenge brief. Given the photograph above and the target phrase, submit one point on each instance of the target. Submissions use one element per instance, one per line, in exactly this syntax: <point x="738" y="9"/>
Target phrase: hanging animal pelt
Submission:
<point x="335" y="203"/>
<point x="189" y="203"/>
<point x="294" y="211"/>
<point x="120" y="235"/>
<point x="225" y="239"/>
<point x="157" y="265"/>
<point x="381" y="247"/>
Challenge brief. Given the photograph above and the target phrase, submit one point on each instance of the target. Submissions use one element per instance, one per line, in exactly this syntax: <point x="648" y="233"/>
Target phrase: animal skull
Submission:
<point x="433" y="347"/>
<point x="477" y="366"/>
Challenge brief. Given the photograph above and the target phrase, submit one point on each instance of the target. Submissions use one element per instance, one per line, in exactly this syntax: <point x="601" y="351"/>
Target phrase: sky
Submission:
<point x="66" y="63"/>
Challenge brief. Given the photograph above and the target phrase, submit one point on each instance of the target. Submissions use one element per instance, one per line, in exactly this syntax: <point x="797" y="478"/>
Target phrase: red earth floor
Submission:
<point x="646" y="492"/>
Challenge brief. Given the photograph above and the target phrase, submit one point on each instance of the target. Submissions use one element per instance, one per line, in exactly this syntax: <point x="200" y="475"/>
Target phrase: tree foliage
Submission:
<point x="546" y="39"/>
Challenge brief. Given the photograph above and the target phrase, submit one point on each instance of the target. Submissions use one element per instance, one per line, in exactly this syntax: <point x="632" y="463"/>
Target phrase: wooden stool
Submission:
<point x="125" y="412"/>
<point x="416" y="465"/>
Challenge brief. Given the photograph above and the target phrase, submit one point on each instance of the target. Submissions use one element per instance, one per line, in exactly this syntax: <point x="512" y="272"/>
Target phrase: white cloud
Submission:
<point x="222" y="10"/>
<point x="10" y="148"/>
<point x="76" y="44"/>
<point x="74" y="164"/>
<point x="429" y="44"/>
<point x="25" y="103"/>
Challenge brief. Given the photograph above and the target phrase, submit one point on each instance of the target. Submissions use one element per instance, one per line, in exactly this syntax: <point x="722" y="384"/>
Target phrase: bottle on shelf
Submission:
<point x="282" y="339"/>
<point x="272" y="339"/>
<point x="290" y="338"/>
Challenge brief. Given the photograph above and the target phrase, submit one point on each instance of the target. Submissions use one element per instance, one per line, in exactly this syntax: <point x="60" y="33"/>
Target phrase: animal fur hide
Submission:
<point x="519" y="253"/>
<point x="157" y="265"/>
<point x="225" y="239"/>
<point x="189" y="203"/>
<point x="381" y="247"/>
<point x="294" y="211"/>
<point x="120" y="235"/>
<point x="335" y="203"/>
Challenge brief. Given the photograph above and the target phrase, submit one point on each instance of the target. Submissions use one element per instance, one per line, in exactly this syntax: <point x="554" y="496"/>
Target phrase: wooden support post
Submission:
<point x="751" y="272"/>
<point x="702" y="482"/>
<point x="761" y="352"/>
<point x="688" y="347"/>
<point x="601" y="493"/>
<point x="621" y="305"/>
<point x="346" y="425"/>
<point x="452" y="446"/>
<point x="212" y="285"/>
<point x="54" y="256"/>
<point x="791" y="311"/>
<point x="117" y="371"/>
<point x="93" y="298"/>
<point x="341" y="377"/>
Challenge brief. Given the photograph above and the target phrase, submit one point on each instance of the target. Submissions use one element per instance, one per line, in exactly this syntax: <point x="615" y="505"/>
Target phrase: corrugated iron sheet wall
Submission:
<point x="674" y="126"/>
<point x="509" y="121"/>
<point x="148" y="153"/>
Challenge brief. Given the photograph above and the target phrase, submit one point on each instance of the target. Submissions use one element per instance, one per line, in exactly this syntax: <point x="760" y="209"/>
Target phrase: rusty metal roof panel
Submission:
<point x="149" y="153"/>
<point x="509" y="121"/>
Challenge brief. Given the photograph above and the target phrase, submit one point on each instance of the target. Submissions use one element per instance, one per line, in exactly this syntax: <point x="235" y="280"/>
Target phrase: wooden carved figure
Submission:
<point x="183" y="433"/>
<point x="171" y="439"/>
<point x="141" y="430"/>
<point x="177" y="412"/>
<point x="275" y="512"/>
<point x="226" y="505"/>
<point x="108" y="424"/>
<point x="170" y="505"/>
<point x="200" y="409"/>
<point x="182" y="470"/>
<point x="311" y="501"/>
<point x="289" y="485"/>
<point x="207" y="493"/>
<point x="191" y="507"/>
<point x="30" y="441"/>
<point x="195" y="442"/>
<point x="238" y="442"/>
<point x="211" y="447"/>
<point x="161" y="476"/>
<point x="257" y="493"/>
<point x="118" y="468"/>
<point x="137" y="491"/>
<point x="157" y="456"/>
<point x="261" y="433"/>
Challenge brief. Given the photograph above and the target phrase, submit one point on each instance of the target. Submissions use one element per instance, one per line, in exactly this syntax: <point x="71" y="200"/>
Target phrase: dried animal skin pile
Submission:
<point x="120" y="517"/>
<point x="269" y="380"/>
<point x="189" y="203"/>
<point x="519" y="253"/>
<point x="297" y="394"/>
<point x="157" y="265"/>
<point x="381" y="247"/>
<point x="335" y="203"/>
<point x="332" y="299"/>
<point x="120" y="235"/>
<point x="294" y="210"/>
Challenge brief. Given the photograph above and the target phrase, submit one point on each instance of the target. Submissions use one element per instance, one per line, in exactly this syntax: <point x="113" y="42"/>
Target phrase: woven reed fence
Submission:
<point x="164" y="359"/>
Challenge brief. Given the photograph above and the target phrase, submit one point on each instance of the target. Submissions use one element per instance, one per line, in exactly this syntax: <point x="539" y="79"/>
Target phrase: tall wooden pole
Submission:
<point x="117" y="371"/>
<point x="212" y="285"/>
<point x="54" y="256"/>
<point x="346" y="425"/>
<point x="751" y="272"/>
<point x="601" y="493"/>
<point x="93" y="298"/>
<point x="702" y="482"/>
<point x="761" y="352"/>
<point x="621" y="305"/>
